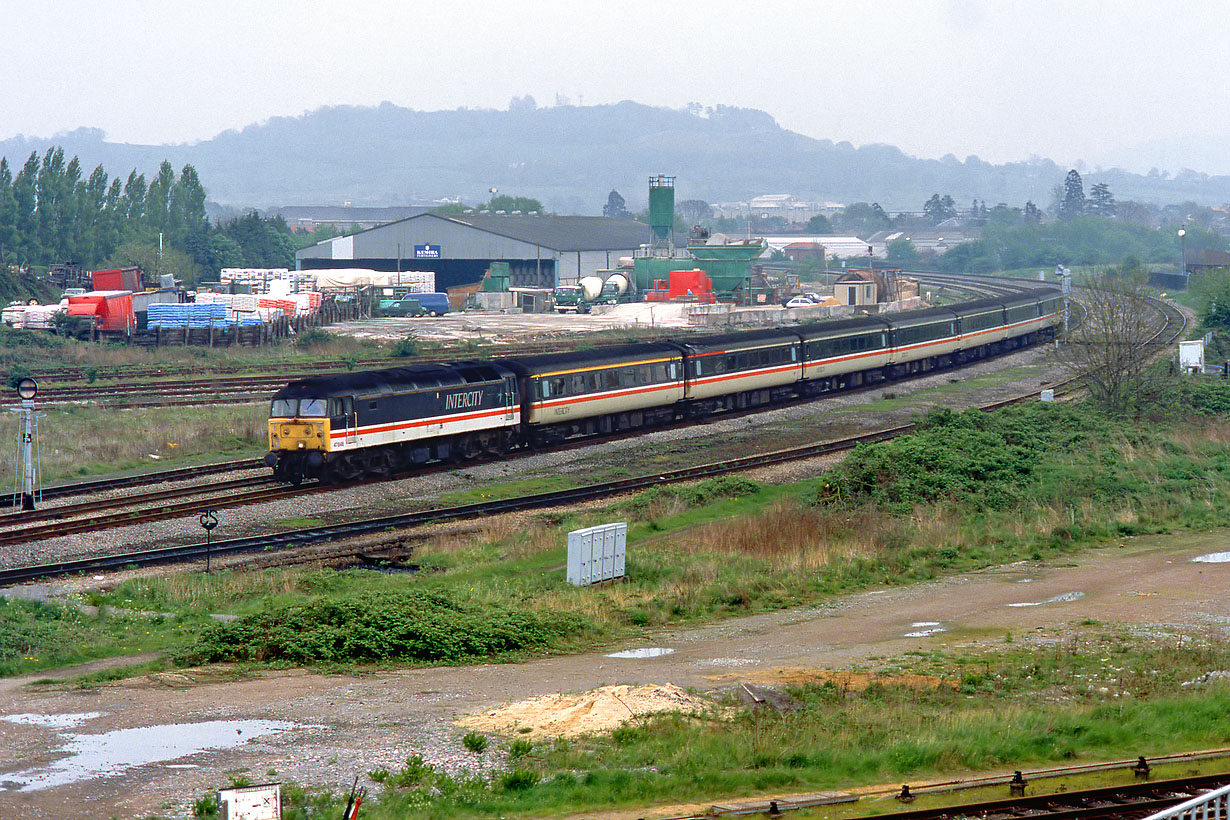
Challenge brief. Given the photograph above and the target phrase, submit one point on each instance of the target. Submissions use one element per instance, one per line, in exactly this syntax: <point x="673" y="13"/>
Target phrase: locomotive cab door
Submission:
<point x="510" y="397"/>
<point x="350" y="424"/>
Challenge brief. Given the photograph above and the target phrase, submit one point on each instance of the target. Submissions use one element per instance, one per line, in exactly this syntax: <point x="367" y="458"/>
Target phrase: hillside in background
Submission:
<point x="570" y="157"/>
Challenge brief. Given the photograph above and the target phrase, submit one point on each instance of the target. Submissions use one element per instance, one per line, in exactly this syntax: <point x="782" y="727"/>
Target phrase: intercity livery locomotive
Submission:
<point x="384" y="421"/>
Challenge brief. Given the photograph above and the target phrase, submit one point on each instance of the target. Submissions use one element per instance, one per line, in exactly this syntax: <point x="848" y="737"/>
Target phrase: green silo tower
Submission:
<point x="662" y="213"/>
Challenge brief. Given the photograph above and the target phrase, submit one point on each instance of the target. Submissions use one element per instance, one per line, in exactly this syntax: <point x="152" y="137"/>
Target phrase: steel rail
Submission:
<point x="160" y="512"/>
<point x="1129" y="800"/>
<point x="85" y="508"/>
<point x="142" y="479"/>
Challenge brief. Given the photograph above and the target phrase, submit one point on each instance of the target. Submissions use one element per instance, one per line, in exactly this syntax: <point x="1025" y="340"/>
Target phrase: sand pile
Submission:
<point x="600" y="710"/>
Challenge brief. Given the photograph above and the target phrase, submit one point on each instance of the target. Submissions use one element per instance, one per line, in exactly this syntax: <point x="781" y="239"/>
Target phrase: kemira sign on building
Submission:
<point x="426" y="251"/>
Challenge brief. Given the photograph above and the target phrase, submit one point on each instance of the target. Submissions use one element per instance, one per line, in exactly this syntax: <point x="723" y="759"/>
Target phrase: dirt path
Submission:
<point x="347" y="725"/>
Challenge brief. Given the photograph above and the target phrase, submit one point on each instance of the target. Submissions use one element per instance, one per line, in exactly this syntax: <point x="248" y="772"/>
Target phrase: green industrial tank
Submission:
<point x="728" y="264"/>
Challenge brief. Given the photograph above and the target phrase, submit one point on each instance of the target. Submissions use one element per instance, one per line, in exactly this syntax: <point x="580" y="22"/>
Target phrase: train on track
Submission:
<point x="379" y="422"/>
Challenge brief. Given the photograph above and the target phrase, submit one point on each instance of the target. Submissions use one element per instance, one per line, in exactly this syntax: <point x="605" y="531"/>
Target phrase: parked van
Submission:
<point x="416" y="304"/>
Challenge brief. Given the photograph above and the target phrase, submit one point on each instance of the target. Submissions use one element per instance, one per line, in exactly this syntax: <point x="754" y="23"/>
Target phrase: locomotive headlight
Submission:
<point x="286" y="429"/>
<point x="301" y="444"/>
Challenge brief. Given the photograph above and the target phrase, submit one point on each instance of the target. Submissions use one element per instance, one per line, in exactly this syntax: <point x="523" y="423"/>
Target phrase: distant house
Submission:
<point x="852" y="289"/>
<point x="798" y="251"/>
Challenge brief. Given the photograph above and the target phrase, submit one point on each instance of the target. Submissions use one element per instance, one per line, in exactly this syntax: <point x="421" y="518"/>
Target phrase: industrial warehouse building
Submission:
<point x="541" y="251"/>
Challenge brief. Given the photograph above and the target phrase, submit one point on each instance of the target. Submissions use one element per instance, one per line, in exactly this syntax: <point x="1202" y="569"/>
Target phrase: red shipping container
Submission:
<point x="117" y="279"/>
<point x="112" y="310"/>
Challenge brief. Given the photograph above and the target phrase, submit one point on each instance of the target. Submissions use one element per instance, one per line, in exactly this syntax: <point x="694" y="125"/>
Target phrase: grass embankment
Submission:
<point x="81" y="441"/>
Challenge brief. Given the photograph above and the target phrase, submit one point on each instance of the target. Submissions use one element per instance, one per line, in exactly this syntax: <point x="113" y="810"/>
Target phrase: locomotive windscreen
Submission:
<point x="298" y="408"/>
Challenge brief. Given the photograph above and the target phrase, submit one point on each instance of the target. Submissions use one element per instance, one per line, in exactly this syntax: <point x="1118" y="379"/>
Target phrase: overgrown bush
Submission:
<point x="18" y="338"/>
<point x="371" y="627"/>
<point x="314" y="337"/>
<point x="692" y="495"/>
<point x="409" y="346"/>
<point x="987" y="458"/>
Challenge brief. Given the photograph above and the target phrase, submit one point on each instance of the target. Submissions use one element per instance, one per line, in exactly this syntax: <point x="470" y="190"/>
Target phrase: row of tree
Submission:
<point x="52" y="211"/>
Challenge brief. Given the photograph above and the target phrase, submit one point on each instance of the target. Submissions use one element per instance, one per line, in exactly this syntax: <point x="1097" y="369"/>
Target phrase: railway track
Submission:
<point x="1125" y="802"/>
<point x="88" y="511"/>
<point x="144" y="479"/>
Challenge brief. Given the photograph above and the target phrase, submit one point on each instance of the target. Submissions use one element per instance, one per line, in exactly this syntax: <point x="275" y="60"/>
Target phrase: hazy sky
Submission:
<point x="1003" y="79"/>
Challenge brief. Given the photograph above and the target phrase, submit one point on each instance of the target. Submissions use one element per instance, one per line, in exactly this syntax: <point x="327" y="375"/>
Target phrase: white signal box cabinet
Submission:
<point x="597" y="553"/>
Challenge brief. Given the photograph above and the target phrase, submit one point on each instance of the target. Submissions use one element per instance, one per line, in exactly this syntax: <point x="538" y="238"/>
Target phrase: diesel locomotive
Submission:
<point x="342" y="427"/>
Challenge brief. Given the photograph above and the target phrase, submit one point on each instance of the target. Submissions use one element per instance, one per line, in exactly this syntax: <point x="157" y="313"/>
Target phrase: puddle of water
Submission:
<point x="1066" y="598"/>
<point x="1023" y="581"/>
<point x="113" y="753"/>
<point x="646" y="652"/>
<point x="1213" y="558"/>
<point x="52" y="721"/>
<point x="922" y="629"/>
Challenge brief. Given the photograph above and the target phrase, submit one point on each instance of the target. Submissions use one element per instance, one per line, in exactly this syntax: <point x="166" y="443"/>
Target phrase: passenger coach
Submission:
<point x="740" y="370"/>
<point x="598" y="391"/>
<point x="844" y="353"/>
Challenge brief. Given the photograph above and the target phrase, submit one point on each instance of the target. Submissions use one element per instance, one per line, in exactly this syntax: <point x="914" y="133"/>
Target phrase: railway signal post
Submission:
<point x="209" y="520"/>
<point x="29" y="475"/>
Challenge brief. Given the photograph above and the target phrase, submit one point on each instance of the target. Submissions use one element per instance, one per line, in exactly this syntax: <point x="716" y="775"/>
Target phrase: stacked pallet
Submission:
<point x="414" y="281"/>
<point x="168" y="316"/>
<point x="40" y="317"/>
